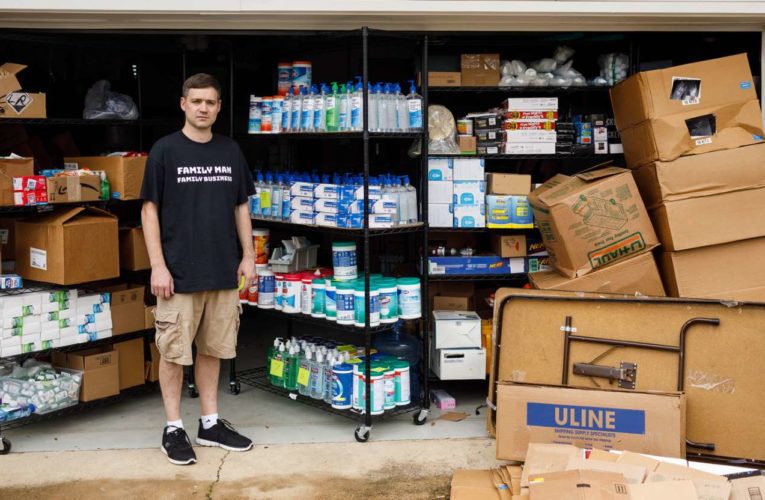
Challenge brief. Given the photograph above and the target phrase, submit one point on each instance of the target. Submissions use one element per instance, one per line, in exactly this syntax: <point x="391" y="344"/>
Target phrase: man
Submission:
<point x="195" y="192"/>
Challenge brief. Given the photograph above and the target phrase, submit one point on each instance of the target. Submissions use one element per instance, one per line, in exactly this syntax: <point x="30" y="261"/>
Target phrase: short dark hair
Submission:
<point x="200" y="81"/>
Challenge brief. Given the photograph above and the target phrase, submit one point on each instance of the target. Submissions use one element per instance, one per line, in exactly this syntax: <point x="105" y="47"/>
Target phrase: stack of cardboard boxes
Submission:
<point x="456" y="192"/>
<point x="456" y="346"/>
<point x="693" y="136"/>
<point x="598" y="234"/>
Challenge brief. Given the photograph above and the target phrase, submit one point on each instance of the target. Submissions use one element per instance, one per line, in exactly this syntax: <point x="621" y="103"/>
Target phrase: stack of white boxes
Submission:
<point x="456" y="352"/>
<point x="37" y="321"/>
<point x="456" y="192"/>
<point x="330" y="204"/>
<point x="528" y="125"/>
<point x="301" y="203"/>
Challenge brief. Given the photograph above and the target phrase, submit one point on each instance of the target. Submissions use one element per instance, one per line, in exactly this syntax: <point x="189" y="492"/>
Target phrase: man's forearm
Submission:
<point x="151" y="233"/>
<point x="244" y="230"/>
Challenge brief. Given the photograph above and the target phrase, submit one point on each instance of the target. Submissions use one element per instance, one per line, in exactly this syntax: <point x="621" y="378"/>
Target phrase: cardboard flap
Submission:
<point x="600" y="173"/>
<point x="8" y="80"/>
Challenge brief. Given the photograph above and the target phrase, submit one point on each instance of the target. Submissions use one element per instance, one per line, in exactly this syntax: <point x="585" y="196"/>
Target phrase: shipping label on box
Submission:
<point x="652" y="423"/>
<point x="440" y="169"/>
<point x="469" y="192"/>
<point x="592" y="220"/>
<point x="504" y="211"/>
<point x="469" y="215"/>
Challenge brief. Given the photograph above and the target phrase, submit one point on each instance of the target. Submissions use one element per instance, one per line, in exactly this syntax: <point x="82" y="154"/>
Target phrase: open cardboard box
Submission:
<point x="14" y="102"/>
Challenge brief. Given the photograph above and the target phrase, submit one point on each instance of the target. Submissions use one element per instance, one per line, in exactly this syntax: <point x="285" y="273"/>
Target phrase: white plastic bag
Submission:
<point x="103" y="104"/>
<point x="614" y="67"/>
<point x="563" y="54"/>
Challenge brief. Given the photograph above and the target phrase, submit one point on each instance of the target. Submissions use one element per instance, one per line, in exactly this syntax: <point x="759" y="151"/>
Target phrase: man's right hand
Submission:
<point x="162" y="282"/>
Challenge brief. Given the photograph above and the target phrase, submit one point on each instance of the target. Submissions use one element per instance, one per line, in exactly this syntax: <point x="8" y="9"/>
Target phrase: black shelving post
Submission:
<point x="424" y="294"/>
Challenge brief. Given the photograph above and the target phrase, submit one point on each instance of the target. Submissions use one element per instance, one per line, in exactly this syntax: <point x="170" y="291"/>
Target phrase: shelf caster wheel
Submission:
<point x="5" y="447"/>
<point x="362" y="434"/>
<point x="420" y="417"/>
<point x="234" y="388"/>
<point x="193" y="392"/>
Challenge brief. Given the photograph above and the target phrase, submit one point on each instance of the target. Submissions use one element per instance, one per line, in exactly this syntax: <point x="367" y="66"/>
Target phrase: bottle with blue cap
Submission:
<point x="395" y="92"/>
<point x="383" y="106"/>
<point x="306" y="114"/>
<point x="344" y="113"/>
<point x="297" y="109"/>
<point x="414" y="103"/>
<point x="332" y="108"/>
<point x="288" y="179"/>
<point x="357" y="106"/>
<point x="319" y="113"/>
<point x="402" y="111"/>
<point x="373" y="123"/>
<point x="255" y="199"/>
<point x="265" y="197"/>
<point x="277" y="191"/>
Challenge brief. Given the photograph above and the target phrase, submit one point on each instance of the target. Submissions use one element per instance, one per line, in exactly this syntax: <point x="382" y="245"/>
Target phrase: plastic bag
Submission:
<point x="563" y="69"/>
<point x="545" y="65"/>
<point x="613" y="67"/>
<point x="563" y="54"/>
<point x="442" y="131"/>
<point x="103" y="104"/>
<point x="517" y="67"/>
<point x="507" y="81"/>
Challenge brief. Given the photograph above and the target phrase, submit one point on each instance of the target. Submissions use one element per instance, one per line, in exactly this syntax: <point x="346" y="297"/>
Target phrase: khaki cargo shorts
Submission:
<point x="210" y="319"/>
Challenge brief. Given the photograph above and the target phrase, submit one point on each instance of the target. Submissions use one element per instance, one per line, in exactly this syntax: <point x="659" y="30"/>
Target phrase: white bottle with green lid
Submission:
<point x="409" y="298"/>
<point x="344" y="260"/>
<point x="330" y="299"/>
<point x="388" y="300"/>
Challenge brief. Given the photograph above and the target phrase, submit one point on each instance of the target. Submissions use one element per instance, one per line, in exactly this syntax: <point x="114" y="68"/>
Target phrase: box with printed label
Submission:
<point x="689" y="109"/>
<point x="492" y="135"/>
<point x="526" y="136"/>
<point x="505" y="211"/>
<point x="74" y="188"/>
<point x="527" y="127"/>
<point x="469" y="215"/>
<point x="29" y="198"/>
<point x="591" y="220"/>
<point x="67" y="247"/>
<point x="468" y="169"/>
<point x="530" y="104"/>
<point x="528" y="148"/>
<point x="489" y="149"/>
<point x="100" y="367"/>
<point x="646" y="422"/>
<point x="30" y="183"/>
<point x="440" y="191"/>
<point x="456" y="329"/>
<point x="305" y="217"/>
<point x="301" y="190"/>
<point x="485" y="265"/>
<point x="517" y="245"/>
<point x="302" y="203"/>
<point x="440" y="215"/>
<point x="440" y="169"/>
<point x="124" y="173"/>
<point x="16" y="103"/>
<point x="469" y="192"/>
<point x="459" y="364"/>
<point x="467" y="144"/>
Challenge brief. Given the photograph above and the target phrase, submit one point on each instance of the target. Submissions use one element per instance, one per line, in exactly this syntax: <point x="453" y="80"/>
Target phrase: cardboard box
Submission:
<point x="469" y="215"/>
<point x="458" y="364"/>
<point x="131" y="366"/>
<point x="638" y="275"/>
<point x="440" y="215"/>
<point x="708" y="486"/>
<point x="578" y="485"/>
<point x="469" y="193"/>
<point x="440" y="169"/>
<point x="74" y="188"/>
<point x="529" y="136"/>
<point x="133" y="253"/>
<point x="591" y="220"/>
<point x="643" y="422"/>
<point x="699" y="176"/>
<point x="468" y="169"/>
<point x="100" y="367"/>
<point x="710" y="220"/>
<point x="125" y="175"/>
<point x="733" y="271"/>
<point x="516" y="245"/>
<point x="483" y="265"/>
<point x="149" y="317"/>
<point x="15" y="103"/>
<point x="453" y="302"/>
<point x="528" y="148"/>
<point x="524" y="104"/>
<point x="474" y="485"/>
<point x="440" y="191"/>
<point x="513" y="184"/>
<point x="128" y="311"/>
<point x="7" y="237"/>
<point x="510" y="212"/>
<point x="456" y="329"/>
<point x="467" y="143"/>
<point x="675" y="490"/>
<point x="747" y="488"/>
<point x="68" y="247"/>
<point x="10" y="168"/>
<point x="690" y="109"/>
<point x="441" y="79"/>
<point x="479" y="70"/>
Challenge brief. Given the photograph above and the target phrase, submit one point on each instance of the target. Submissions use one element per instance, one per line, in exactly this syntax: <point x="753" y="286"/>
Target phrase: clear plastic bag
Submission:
<point x="103" y="104"/>
<point x="442" y="131"/>
<point x="546" y="65"/>
<point x="613" y="67"/>
<point x="563" y="54"/>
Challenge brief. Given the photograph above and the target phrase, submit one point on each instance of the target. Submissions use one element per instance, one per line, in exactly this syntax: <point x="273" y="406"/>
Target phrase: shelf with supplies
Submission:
<point x="339" y="135"/>
<point x="589" y="156"/>
<point x="320" y="322"/>
<point x="522" y="90"/>
<point x="434" y="278"/>
<point x="340" y="231"/>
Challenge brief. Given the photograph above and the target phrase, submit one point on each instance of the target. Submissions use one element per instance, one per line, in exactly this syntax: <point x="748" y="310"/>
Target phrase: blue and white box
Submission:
<point x="355" y="192"/>
<point x="305" y="217"/>
<point x="468" y="169"/>
<point x="440" y="169"/>
<point x="469" y="192"/>
<point x="469" y="216"/>
<point x="326" y="191"/>
<point x="440" y="215"/>
<point x="509" y="212"/>
<point x="302" y="189"/>
<point x="440" y="192"/>
<point x="303" y="203"/>
<point x="326" y="220"/>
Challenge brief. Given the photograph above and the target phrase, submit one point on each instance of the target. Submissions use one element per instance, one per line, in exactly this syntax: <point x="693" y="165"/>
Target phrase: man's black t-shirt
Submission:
<point x="197" y="187"/>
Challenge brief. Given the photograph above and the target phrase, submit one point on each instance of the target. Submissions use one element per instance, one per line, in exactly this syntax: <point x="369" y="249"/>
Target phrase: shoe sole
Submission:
<point x="205" y="442"/>
<point x="177" y="462"/>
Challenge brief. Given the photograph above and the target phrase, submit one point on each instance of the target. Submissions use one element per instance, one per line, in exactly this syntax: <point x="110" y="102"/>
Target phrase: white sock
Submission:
<point x="174" y="424"/>
<point x="209" y="420"/>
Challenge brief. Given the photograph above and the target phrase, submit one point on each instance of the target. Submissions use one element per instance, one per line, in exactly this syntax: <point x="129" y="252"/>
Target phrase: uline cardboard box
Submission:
<point x="67" y="247"/>
<point x="512" y="184"/>
<point x="733" y="271"/>
<point x="74" y="188"/>
<point x="14" y="102"/>
<point x="644" y="422"/>
<point x="689" y="109"/>
<point x="125" y="174"/>
<point x="480" y="70"/>
<point x="133" y="253"/>
<point x="591" y="220"/>
<point x="100" y="367"/>
<point x="441" y="79"/>
<point x="638" y="275"/>
<point x="131" y="365"/>
<point x="10" y="168"/>
<point x="578" y="485"/>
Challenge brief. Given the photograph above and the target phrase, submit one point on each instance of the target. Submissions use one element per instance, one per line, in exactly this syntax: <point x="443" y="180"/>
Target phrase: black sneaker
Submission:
<point x="177" y="447"/>
<point x="224" y="435"/>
